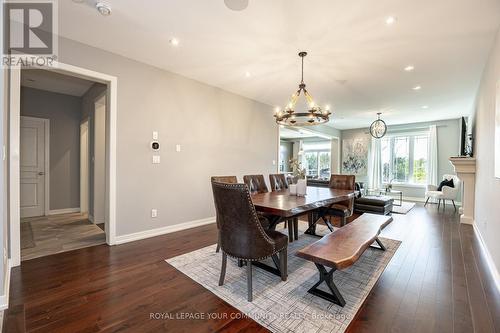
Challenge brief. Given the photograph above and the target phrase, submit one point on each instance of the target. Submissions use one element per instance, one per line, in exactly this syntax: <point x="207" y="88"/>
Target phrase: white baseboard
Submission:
<point x="91" y="218"/>
<point x="164" y="230"/>
<point x="489" y="259"/>
<point x="4" y="299"/>
<point x="64" y="211"/>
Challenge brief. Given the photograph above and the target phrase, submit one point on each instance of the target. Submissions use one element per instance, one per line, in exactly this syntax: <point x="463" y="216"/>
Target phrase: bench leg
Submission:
<point x="325" y="276"/>
<point x="380" y="244"/>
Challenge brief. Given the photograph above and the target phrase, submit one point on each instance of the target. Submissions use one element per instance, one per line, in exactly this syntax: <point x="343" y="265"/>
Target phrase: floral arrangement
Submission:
<point x="298" y="171"/>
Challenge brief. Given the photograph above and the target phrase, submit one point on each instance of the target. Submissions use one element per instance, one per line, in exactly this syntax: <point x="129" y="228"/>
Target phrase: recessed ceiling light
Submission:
<point x="409" y="68"/>
<point x="236" y="5"/>
<point x="103" y="8"/>
<point x="174" y="41"/>
<point x="417" y="88"/>
<point x="247" y="74"/>
<point x="390" y="20"/>
<point x="425" y="107"/>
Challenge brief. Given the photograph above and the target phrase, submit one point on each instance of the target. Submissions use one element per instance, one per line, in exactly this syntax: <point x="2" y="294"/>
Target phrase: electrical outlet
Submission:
<point x="274" y="162"/>
<point x="154" y="212"/>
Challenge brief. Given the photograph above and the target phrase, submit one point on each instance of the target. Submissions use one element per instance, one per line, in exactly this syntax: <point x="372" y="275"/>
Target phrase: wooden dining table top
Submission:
<point x="282" y="203"/>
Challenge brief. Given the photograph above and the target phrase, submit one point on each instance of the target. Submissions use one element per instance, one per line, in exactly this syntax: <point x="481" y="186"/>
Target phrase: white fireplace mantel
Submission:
<point x="465" y="168"/>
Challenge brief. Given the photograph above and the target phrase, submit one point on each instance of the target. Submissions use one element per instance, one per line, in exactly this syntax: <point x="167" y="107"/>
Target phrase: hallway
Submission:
<point x="46" y="235"/>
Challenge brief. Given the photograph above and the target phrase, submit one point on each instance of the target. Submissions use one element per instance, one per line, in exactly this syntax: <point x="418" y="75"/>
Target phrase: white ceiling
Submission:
<point x="54" y="82"/>
<point x="355" y="60"/>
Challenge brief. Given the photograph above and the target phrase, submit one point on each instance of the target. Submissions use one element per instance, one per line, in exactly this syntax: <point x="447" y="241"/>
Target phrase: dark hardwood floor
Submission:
<point x="436" y="282"/>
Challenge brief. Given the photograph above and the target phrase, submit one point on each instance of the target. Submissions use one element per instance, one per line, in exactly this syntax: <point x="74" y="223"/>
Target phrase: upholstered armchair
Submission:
<point x="446" y="192"/>
<point x="221" y="179"/>
<point x="241" y="233"/>
<point x="343" y="209"/>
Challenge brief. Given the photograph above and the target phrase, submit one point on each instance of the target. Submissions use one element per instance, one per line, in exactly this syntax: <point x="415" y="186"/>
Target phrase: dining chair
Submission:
<point x="279" y="183"/>
<point x="241" y="233"/>
<point x="255" y="183"/>
<point x="343" y="209"/>
<point x="221" y="179"/>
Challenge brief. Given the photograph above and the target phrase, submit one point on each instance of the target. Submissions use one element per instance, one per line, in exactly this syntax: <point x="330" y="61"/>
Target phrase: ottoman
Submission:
<point x="378" y="204"/>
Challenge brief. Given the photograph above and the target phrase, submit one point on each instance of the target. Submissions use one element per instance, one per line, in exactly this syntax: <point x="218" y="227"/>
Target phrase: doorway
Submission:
<point x="25" y="196"/>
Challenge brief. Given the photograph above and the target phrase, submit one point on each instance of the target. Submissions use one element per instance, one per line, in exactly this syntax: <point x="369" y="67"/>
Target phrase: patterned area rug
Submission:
<point x="287" y="306"/>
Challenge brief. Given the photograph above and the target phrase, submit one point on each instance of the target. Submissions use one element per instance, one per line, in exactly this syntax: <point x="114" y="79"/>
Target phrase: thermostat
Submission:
<point x="155" y="145"/>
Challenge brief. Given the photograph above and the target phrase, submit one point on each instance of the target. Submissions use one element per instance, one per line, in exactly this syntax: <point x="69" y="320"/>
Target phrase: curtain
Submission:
<point x="375" y="168"/>
<point x="432" y="157"/>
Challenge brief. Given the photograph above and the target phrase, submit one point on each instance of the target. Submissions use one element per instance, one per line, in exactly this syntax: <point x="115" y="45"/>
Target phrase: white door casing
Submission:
<point x="84" y="167"/>
<point x="32" y="166"/>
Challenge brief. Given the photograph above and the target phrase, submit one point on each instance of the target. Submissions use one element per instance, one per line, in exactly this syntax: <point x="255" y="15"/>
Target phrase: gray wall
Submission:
<point x="64" y="113"/>
<point x="487" y="210"/>
<point x="448" y="132"/>
<point x="286" y="153"/>
<point x="220" y="134"/>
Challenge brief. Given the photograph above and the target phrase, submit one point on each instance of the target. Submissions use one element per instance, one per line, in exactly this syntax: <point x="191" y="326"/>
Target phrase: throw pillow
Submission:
<point x="446" y="182"/>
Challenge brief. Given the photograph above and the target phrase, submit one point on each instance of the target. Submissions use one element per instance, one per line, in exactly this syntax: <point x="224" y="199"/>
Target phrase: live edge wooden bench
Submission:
<point x="342" y="248"/>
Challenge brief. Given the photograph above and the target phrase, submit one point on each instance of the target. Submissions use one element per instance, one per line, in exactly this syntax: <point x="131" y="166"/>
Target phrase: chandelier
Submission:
<point x="378" y="128"/>
<point x="314" y="115"/>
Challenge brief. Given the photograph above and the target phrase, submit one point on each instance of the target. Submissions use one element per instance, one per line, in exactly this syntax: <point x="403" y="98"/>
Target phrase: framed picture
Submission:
<point x="355" y="156"/>
<point x="497" y="131"/>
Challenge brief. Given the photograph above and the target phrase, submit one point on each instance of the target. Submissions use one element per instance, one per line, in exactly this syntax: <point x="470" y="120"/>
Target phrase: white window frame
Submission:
<point x="411" y="155"/>
<point x="317" y="151"/>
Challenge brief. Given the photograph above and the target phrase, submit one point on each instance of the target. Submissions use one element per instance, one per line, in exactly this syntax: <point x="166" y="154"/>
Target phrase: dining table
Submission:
<point x="279" y="206"/>
<point x="282" y="205"/>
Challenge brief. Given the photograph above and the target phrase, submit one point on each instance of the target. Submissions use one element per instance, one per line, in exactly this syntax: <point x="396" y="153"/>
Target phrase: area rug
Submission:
<point x="404" y="208"/>
<point x="287" y="306"/>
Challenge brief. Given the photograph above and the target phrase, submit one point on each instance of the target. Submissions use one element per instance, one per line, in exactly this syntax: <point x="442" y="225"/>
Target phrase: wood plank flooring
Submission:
<point x="47" y="235"/>
<point x="436" y="282"/>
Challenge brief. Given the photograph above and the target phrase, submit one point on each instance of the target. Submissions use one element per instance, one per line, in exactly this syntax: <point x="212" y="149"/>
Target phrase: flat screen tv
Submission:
<point x="463" y="138"/>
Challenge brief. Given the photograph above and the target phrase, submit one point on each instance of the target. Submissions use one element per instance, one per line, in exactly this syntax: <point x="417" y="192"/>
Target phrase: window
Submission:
<point x="317" y="159"/>
<point x="404" y="159"/>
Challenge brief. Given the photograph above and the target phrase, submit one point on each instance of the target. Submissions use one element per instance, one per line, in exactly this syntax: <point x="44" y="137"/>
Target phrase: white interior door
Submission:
<point x="32" y="166"/>
<point x="84" y="167"/>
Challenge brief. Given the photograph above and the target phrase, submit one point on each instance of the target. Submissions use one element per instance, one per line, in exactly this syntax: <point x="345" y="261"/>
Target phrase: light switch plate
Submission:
<point x="155" y="135"/>
<point x="274" y="162"/>
<point x="156" y="159"/>
<point x="154" y="212"/>
<point x="177" y="148"/>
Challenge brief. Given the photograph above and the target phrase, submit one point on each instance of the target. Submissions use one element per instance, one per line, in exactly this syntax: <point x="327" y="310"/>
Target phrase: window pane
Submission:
<point x="324" y="165"/>
<point x="420" y="159"/>
<point x="386" y="159"/>
<point x="311" y="163"/>
<point x="401" y="167"/>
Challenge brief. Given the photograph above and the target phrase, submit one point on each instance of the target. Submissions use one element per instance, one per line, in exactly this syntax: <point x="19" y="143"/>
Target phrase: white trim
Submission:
<point x="164" y="230"/>
<point x="84" y="197"/>
<point x="47" y="166"/>
<point x="91" y="218"/>
<point x="14" y="126"/>
<point x="14" y="159"/>
<point x="4" y="299"/>
<point x="489" y="260"/>
<point x="64" y="211"/>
